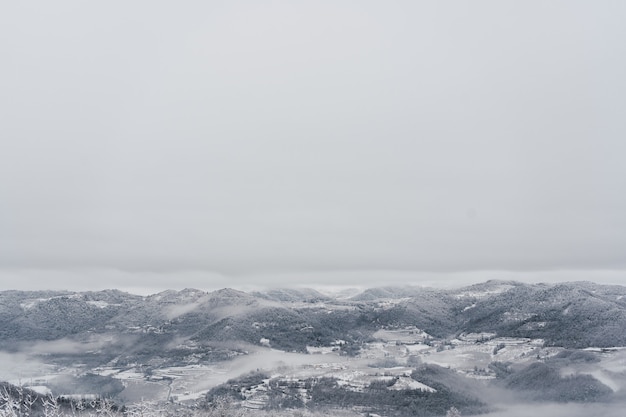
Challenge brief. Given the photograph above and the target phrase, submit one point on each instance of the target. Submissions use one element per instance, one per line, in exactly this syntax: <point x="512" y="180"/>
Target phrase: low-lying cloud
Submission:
<point x="145" y="282"/>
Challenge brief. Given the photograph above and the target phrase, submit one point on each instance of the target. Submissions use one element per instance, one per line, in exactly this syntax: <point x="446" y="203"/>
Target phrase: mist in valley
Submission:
<point x="20" y="367"/>
<point x="557" y="410"/>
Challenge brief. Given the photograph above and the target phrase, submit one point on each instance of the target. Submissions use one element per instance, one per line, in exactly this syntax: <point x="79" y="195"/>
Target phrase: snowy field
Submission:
<point x="393" y="356"/>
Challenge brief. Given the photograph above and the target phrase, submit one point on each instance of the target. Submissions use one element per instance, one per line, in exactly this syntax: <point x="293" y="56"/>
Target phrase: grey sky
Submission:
<point x="249" y="140"/>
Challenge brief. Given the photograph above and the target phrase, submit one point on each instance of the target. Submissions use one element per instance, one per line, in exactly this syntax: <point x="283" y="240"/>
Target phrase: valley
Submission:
<point x="422" y="349"/>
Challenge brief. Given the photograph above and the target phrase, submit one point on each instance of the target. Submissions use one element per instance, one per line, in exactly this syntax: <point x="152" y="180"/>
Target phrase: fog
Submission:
<point x="20" y="367"/>
<point x="174" y="311"/>
<point x="66" y="346"/>
<point x="145" y="283"/>
<point x="268" y="360"/>
<point x="558" y="410"/>
<point x="505" y="403"/>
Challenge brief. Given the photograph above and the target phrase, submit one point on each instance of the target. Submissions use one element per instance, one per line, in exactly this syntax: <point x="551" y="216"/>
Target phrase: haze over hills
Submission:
<point x="426" y="348"/>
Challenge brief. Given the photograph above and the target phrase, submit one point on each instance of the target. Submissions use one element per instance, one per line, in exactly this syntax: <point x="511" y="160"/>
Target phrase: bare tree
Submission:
<point x="51" y="406"/>
<point x="17" y="403"/>
<point x="225" y="408"/>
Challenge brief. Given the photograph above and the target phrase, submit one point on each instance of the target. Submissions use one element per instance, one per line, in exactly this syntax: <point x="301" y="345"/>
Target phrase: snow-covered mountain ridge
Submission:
<point x="579" y="314"/>
<point x="431" y="347"/>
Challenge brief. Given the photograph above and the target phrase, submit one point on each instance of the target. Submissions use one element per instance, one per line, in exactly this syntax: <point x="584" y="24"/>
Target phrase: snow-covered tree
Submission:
<point x="453" y="412"/>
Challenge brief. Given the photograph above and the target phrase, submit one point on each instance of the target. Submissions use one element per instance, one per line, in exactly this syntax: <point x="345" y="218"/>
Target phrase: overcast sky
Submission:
<point x="155" y="144"/>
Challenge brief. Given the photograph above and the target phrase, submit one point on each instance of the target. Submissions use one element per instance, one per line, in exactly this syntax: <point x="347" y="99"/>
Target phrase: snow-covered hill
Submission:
<point x="380" y="342"/>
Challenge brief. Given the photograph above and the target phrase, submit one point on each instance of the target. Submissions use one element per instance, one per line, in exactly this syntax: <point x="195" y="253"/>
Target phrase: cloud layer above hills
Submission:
<point x="262" y="138"/>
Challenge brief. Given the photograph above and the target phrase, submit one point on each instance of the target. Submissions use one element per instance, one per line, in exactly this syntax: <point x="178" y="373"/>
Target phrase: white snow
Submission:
<point x="129" y="374"/>
<point x="409" y="383"/>
<point x="32" y="303"/>
<point x="324" y="350"/>
<point x="106" y="371"/>
<point x="484" y="293"/>
<point x="40" y="389"/>
<point x="416" y="348"/>
<point x="99" y="304"/>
